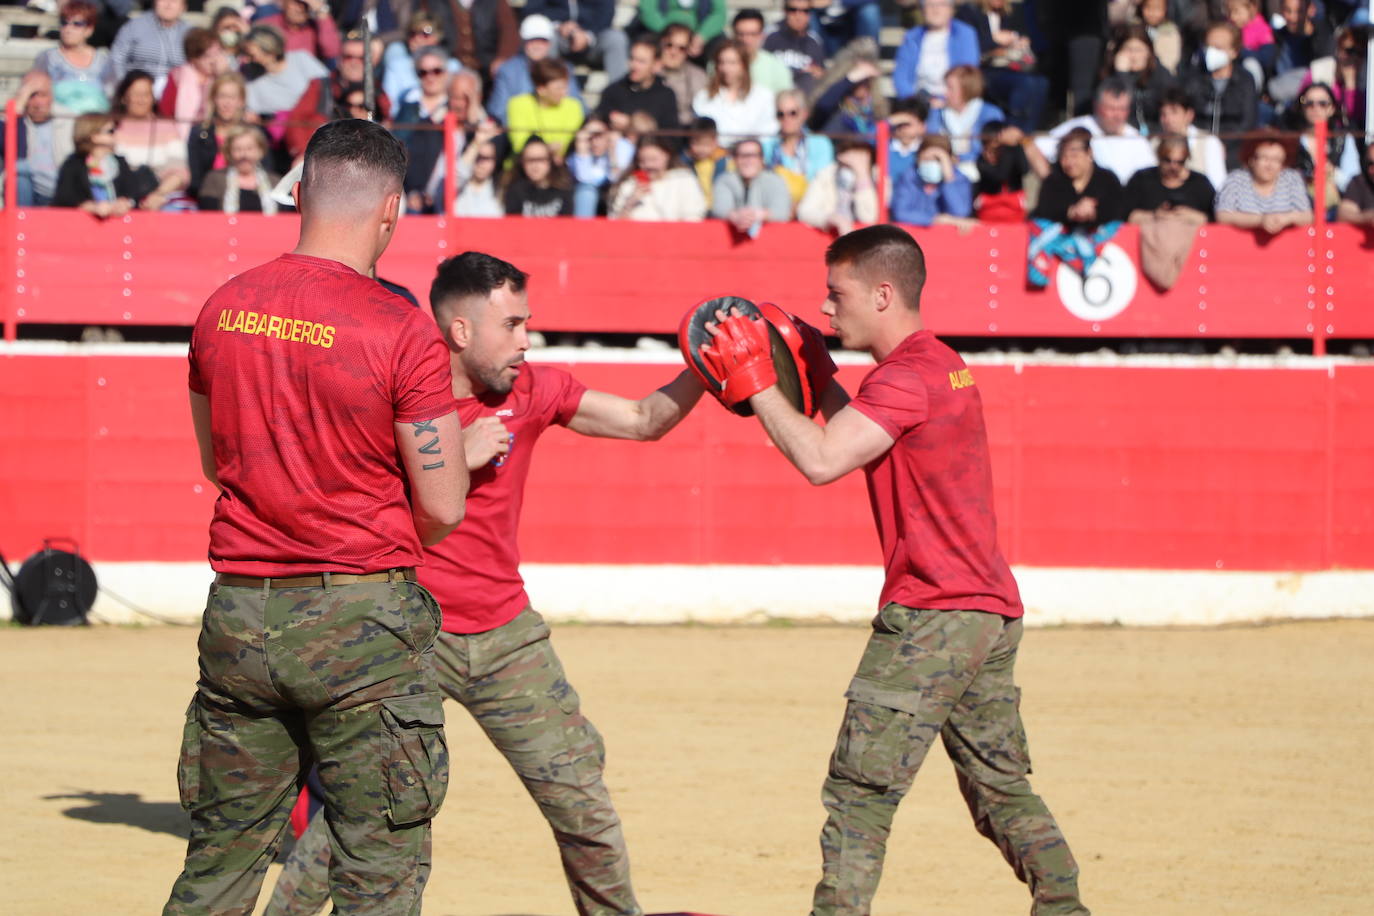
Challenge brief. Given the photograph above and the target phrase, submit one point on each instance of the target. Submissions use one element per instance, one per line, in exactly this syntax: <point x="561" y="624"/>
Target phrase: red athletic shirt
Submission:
<point x="307" y="363"/>
<point x="932" y="492"/>
<point x="475" y="571"/>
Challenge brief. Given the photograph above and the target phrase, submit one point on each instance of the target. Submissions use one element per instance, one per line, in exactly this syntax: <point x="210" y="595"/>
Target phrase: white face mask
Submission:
<point x="1214" y="59"/>
<point x="930" y="171"/>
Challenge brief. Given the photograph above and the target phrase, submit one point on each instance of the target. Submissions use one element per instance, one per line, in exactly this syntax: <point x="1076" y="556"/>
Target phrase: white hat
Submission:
<point x="536" y="26"/>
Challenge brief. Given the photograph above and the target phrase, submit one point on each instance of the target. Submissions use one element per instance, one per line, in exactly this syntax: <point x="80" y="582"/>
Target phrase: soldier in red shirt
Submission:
<point x="324" y="411"/>
<point x="939" y="662"/>
<point x="494" y="655"/>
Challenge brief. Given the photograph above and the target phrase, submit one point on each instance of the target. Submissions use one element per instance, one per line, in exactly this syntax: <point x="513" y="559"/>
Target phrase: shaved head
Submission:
<point x="351" y="166"/>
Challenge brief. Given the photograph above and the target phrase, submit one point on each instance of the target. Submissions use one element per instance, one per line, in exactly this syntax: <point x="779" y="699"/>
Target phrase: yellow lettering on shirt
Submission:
<point x="961" y="379"/>
<point x="295" y="330"/>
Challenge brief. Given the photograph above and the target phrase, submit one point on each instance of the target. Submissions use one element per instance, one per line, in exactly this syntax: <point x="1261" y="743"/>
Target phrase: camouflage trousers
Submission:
<point x="511" y="681"/>
<point x="927" y="673"/>
<point x="336" y="676"/>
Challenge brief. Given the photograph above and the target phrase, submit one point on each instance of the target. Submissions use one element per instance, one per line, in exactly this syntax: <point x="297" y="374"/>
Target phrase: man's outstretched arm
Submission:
<point x="613" y="417"/>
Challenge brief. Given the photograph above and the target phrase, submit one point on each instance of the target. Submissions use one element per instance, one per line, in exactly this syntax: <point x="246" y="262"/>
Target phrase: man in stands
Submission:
<point x="1117" y="145"/>
<point x="797" y="45"/>
<point x="586" y="33"/>
<point x="679" y="74"/>
<point x="641" y="90"/>
<point x="513" y="77"/>
<point x="36" y="160"/>
<point x="765" y="68"/>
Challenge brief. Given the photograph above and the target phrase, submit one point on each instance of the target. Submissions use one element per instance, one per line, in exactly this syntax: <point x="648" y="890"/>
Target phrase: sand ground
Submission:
<point x="1194" y="771"/>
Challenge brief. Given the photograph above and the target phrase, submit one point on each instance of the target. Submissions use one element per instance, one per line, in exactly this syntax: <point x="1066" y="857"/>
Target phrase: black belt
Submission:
<point x="318" y="580"/>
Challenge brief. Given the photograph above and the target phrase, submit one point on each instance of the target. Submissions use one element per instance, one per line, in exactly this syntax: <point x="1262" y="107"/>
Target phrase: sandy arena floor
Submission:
<point x="1193" y="771"/>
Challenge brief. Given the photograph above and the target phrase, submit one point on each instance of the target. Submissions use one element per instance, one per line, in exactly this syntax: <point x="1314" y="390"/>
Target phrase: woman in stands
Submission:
<point x="1316" y="104"/>
<point x="418" y="122"/>
<point x="739" y="108"/>
<point x="547" y="111"/>
<point x="142" y="138"/>
<point x="227" y="110"/>
<point x="97" y="180"/>
<point x="655" y="190"/>
<point x="479" y="177"/>
<point x="539" y="184"/>
<point x="187" y="95"/>
<point x="1131" y="55"/>
<point x="83" y="77"/>
<point x="1008" y="63"/>
<point x="963" y="117"/>
<point x="1267" y="194"/>
<point x="243" y="185"/>
<point x="1077" y="194"/>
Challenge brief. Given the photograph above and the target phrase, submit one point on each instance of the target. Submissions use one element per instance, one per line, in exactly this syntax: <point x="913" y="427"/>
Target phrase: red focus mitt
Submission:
<point x="741" y="355"/>
<point x="693" y="337"/>
<point x="809" y="354"/>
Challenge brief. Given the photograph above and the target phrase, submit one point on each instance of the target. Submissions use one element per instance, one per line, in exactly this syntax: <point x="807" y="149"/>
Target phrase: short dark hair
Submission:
<point x="473" y="273"/>
<point x="1113" y="85"/>
<point x="547" y="70"/>
<point x="357" y="145"/>
<point x="197" y="42"/>
<point x="703" y="125"/>
<point x="648" y="41"/>
<point x="745" y="15"/>
<point x="915" y="105"/>
<point x="133" y="76"/>
<point x="883" y="252"/>
<point x="1177" y="96"/>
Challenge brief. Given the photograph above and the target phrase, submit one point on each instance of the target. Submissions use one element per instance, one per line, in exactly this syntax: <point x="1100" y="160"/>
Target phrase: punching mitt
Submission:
<point x="692" y="336"/>
<point x="809" y="354"/>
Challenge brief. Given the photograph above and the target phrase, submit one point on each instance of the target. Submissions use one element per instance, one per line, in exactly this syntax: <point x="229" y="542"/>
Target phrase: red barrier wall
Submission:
<point x="1112" y="467"/>
<point x="598" y="275"/>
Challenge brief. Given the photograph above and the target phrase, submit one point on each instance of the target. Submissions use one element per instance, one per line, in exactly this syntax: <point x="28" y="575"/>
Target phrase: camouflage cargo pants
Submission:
<point x="927" y="673"/>
<point x="335" y="675"/>
<point x="512" y="682"/>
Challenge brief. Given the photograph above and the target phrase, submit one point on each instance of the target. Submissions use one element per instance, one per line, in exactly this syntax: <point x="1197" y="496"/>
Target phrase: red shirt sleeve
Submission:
<point x="895" y="398"/>
<point x="566" y="397"/>
<point x="422" y="383"/>
<point x="193" y="379"/>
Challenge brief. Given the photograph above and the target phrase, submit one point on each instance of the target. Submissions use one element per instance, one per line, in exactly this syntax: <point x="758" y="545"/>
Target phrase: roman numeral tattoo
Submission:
<point x="431" y="447"/>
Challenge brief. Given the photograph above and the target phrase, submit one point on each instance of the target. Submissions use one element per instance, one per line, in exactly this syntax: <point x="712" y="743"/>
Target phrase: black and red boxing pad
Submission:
<point x="692" y="334"/>
<point x="809" y="354"/>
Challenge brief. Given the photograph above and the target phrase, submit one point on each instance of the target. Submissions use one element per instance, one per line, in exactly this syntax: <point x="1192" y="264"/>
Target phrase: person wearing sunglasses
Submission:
<point x="353" y="68"/>
<point x="797" y="154"/>
<point x="82" y="76"/>
<point x="798" y="45"/>
<point x="1170" y="190"/>
<point x="94" y="178"/>
<point x="1205" y="151"/>
<point x="1315" y="105"/>
<point x="703" y="19"/>
<point x="678" y="73"/>
<point x="418" y="122"/>
<point x="1357" y="202"/>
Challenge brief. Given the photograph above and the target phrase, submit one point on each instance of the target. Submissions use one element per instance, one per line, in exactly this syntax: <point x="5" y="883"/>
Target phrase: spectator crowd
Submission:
<point x="1073" y="115"/>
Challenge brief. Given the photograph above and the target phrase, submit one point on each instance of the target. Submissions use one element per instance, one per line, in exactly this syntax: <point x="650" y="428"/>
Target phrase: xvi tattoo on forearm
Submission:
<point x="427" y="428"/>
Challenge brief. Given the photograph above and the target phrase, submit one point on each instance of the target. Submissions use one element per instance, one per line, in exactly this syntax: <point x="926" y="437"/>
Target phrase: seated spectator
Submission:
<point x="1223" y="94"/>
<point x="846" y="101"/>
<point x="907" y="127"/>
<point x="586" y="33"/>
<point x="796" y="153"/>
<point x="739" y="108"/>
<point x="750" y="195"/>
<point x="1131" y="58"/>
<point x="1267" y="194"/>
<point x="1205" y="152"/>
<point x="287" y="75"/>
<point x="934" y="190"/>
<point x="547" y="110"/>
<point x="1357" y="203"/>
<point x="1303" y="37"/>
<point x="798" y="45"/>
<point x="96" y="180"/>
<point x="398" y="60"/>
<point x="963" y="116"/>
<point x="418" y="122"/>
<point x="843" y="21"/>
<point x="931" y="49"/>
<point x="472" y="125"/>
<point x="1255" y="35"/>
<point x="1165" y="36"/>
<point x="1008" y="156"/>
<point x="142" y="138"/>
<point x="229" y="27"/>
<point x="1348" y="80"/>
<point x="35" y="161"/>
<point x="514" y="77"/>
<point x="655" y="191"/>
<point x="479" y="177"/>
<point x="351" y="72"/>
<point x="228" y="112"/>
<point x="600" y="156"/>
<point x="482" y="34"/>
<point x="1170" y="190"/>
<point x="350" y="101"/>
<point x="83" y="77"/>
<point x="1079" y="210"/>
<point x="153" y="42"/>
<point x="765" y="69"/>
<point x="704" y="20"/>
<point x="1317" y="104"/>
<point x="244" y="185"/>
<point x="704" y="156"/>
<point x="539" y="185"/>
<point x="679" y="74"/>
<point x="641" y="89"/>
<point x="185" y="98"/>
<point x="1077" y="193"/>
<point x="1008" y="62"/>
<point x="307" y="25"/>
<point x="1116" y="144"/>
<point x="845" y="193"/>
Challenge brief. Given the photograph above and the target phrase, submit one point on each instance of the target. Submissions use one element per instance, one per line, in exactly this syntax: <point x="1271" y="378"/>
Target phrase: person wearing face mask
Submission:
<point x="1224" y="95"/>
<point x="935" y="191"/>
<point x="1357" y="202"/>
<point x="845" y="193"/>
<point x="655" y="190"/>
<point x="229" y="27"/>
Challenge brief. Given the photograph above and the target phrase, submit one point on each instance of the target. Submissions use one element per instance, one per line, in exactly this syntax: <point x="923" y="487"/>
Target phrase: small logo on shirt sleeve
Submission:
<point x="961" y="379"/>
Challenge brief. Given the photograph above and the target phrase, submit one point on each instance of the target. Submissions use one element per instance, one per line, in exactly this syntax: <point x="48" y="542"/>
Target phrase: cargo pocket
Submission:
<point x="882" y="740"/>
<point x="188" y="762"/>
<point x="415" y="757"/>
<point x="1018" y="748"/>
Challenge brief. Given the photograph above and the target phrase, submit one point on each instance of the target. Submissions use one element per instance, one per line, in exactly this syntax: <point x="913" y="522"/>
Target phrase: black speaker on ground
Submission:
<point x="54" y="587"/>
